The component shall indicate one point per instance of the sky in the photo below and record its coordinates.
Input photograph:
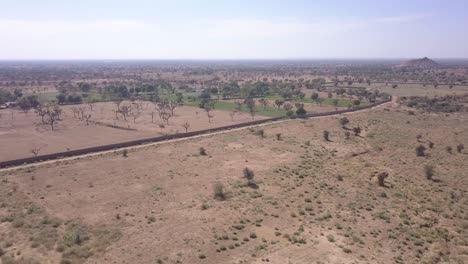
(232, 29)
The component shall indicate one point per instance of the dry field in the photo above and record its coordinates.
(312, 201)
(20, 133)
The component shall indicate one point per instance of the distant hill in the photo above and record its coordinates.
(424, 63)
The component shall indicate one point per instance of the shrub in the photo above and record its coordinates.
(218, 190)
(429, 171)
(420, 151)
(202, 151)
(460, 148)
(125, 153)
(326, 135)
(278, 136)
(249, 175)
(381, 178)
(431, 144)
(449, 149)
(301, 111)
(344, 121)
(261, 133)
(357, 131)
(347, 135)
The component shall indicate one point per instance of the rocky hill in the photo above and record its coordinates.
(424, 63)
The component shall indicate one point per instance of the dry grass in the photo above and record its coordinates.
(300, 211)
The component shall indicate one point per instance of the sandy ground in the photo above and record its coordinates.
(166, 213)
(19, 132)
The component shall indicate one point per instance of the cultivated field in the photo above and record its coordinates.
(310, 200)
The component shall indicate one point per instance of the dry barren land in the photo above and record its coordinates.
(310, 200)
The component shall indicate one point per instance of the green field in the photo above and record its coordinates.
(228, 106)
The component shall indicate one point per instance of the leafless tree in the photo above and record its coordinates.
(209, 114)
(165, 116)
(232, 114)
(87, 117)
(53, 116)
(35, 151)
(135, 111)
(171, 105)
(42, 111)
(186, 125)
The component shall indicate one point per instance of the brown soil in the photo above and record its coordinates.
(160, 198)
(20, 133)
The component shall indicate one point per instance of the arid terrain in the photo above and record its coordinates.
(22, 133)
(310, 200)
(380, 185)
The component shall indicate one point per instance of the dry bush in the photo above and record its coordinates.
(381, 178)
(420, 151)
(326, 135)
(429, 171)
(202, 151)
(218, 190)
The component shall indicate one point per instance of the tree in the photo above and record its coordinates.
(53, 116)
(209, 114)
(25, 105)
(186, 125)
(250, 103)
(18, 93)
(301, 111)
(35, 151)
(263, 102)
(171, 105)
(357, 102)
(279, 103)
(288, 107)
(314, 97)
(165, 116)
(232, 114)
(87, 117)
(344, 121)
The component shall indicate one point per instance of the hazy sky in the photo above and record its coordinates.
(232, 29)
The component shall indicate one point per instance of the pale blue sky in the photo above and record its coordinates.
(254, 29)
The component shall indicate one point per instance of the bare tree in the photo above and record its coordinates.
(53, 116)
(232, 114)
(42, 111)
(209, 114)
(135, 111)
(35, 151)
(117, 103)
(87, 117)
(165, 116)
(186, 125)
